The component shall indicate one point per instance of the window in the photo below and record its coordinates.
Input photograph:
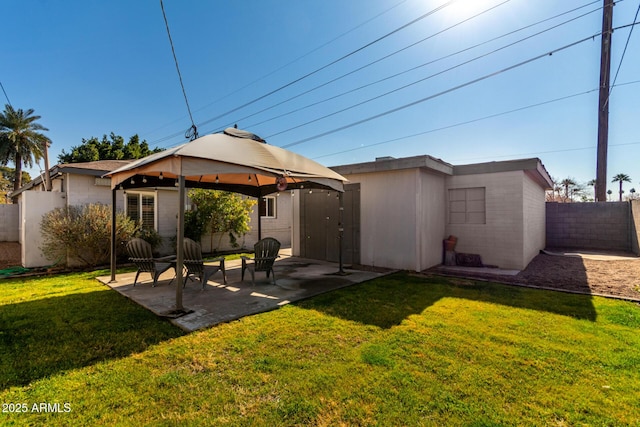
(467, 206)
(268, 207)
(142, 207)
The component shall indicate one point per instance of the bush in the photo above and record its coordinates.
(150, 236)
(218, 212)
(84, 233)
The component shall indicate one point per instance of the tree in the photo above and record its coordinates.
(566, 184)
(108, 148)
(218, 212)
(7, 179)
(20, 140)
(620, 178)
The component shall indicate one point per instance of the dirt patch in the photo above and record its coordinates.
(619, 278)
(10, 254)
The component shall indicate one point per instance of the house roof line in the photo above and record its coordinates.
(533, 167)
(389, 164)
(96, 168)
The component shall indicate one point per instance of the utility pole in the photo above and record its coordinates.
(603, 104)
(47, 178)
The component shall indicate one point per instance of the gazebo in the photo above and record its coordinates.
(234, 160)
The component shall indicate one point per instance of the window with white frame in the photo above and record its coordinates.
(268, 207)
(467, 206)
(141, 207)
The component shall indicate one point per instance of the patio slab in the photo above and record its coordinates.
(297, 279)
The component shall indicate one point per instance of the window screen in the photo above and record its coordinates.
(141, 208)
(467, 206)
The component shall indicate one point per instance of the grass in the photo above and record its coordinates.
(401, 350)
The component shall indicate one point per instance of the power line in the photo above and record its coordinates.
(193, 132)
(414, 68)
(622, 57)
(287, 64)
(417, 81)
(444, 92)
(491, 116)
(357, 70)
(561, 150)
(5, 94)
(402, 27)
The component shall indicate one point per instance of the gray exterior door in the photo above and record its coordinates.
(319, 218)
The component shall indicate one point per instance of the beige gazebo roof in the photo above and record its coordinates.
(233, 161)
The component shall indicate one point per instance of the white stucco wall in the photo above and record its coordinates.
(279, 227)
(534, 219)
(431, 212)
(33, 205)
(82, 190)
(500, 240)
(388, 235)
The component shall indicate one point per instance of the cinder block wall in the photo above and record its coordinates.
(601, 225)
(635, 227)
(9, 223)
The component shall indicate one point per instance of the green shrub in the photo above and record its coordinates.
(84, 233)
(150, 236)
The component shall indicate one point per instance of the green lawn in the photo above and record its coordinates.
(397, 351)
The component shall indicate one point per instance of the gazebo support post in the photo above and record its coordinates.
(113, 235)
(180, 244)
(259, 220)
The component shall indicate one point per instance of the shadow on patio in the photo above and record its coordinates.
(297, 279)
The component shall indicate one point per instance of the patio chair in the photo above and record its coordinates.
(195, 266)
(141, 254)
(266, 252)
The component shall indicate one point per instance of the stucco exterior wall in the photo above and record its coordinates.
(388, 220)
(432, 219)
(33, 205)
(500, 240)
(82, 190)
(534, 219)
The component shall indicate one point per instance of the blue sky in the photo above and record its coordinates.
(94, 67)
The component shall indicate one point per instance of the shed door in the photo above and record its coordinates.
(319, 217)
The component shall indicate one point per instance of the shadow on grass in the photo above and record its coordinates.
(387, 301)
(48, 336)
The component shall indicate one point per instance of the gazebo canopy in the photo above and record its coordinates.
(235, 160)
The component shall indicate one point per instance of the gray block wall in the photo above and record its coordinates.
(635, 227)
(9, 222)
(601, 225)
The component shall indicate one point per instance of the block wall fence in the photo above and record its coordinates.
(602, 225)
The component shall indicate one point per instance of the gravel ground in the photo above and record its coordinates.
(619, 278)
(9, 254)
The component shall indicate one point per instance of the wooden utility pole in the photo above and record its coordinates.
(603, 104)
(47, 178)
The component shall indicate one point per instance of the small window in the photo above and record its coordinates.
(141, 207)
(268, 207)
(467, 206)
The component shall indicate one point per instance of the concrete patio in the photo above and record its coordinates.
(297, 279)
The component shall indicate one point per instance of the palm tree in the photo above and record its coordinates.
(621, 177)
(20, 141)
(566, 183)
